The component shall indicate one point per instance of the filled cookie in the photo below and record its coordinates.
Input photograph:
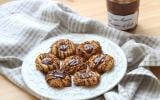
(73, 64)
(63, 48)
(88, 48)
(58, 79)
(101, 63)
(47, 62)
(86, 78)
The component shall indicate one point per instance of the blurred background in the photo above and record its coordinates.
(149, 16)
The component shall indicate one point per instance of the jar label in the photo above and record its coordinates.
(123, 22)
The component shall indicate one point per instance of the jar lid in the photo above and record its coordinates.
(123, 1)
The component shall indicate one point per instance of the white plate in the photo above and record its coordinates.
(36, 82)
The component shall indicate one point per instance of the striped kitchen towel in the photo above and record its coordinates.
(26, 23)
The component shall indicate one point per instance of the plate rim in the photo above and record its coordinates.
(60, 35)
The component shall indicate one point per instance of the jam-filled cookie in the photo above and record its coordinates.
(101, 63)
(63, 48)
(73, 64)
(86, 78)
(58, 79)
(46, 62)
(88, 48)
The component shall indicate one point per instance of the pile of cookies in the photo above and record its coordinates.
(80, 64)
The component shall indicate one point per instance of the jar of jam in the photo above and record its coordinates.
(123, 14)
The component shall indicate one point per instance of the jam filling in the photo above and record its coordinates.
(47, 61)
(63, 47)
(58, 74)
(73, 62)
(99, 60)
(88, 48)
(84, 75)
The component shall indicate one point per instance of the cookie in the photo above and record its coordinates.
(101, 63)
(88, 48)
(58, 79)
(86, 78)
(73, 64)
(63, 48)
(47, 62)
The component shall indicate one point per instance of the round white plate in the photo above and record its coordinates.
(36, 82)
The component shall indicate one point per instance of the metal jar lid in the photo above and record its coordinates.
(123, 1)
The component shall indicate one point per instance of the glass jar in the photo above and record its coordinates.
(123, 14)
